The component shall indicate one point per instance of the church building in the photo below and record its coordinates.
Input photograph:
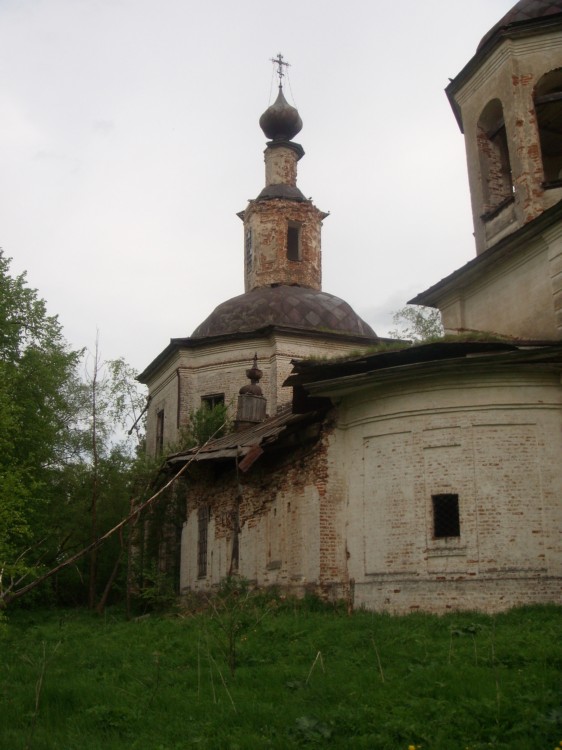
(283, 314)
(404, 478)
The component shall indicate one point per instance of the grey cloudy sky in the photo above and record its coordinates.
(129, 139)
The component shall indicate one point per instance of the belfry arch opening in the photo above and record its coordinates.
(548, 108)
(495, 166)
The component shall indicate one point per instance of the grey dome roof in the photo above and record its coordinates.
(284, 306)
(522, 12)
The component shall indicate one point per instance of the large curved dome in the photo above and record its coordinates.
(285, 306)
(523, 11)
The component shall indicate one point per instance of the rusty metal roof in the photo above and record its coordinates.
(284, 306)
(423, 361)
(288, 192)
(320, 377)
(249, 443)
(525, 18)
(523, 12)
(308, 371)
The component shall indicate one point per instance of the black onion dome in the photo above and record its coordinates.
(284, 306)
(525, 11)
(281, 121)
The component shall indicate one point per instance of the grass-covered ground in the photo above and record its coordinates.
(302, 676)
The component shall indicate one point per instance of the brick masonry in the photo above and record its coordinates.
(353, 514)
(509, 75)
(177, 389)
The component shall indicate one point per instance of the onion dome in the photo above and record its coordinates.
(281, 121)
(286, 307)
(522, 13)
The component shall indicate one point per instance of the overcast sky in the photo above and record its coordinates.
(129, 140)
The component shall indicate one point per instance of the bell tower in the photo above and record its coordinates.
(282, 228)
(508, 103)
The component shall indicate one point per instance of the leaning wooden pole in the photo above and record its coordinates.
(10, 595)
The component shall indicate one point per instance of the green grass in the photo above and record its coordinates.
(304, 677)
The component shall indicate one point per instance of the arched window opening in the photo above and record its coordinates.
(548, 107)
(495, 167)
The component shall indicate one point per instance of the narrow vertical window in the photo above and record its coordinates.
(159, 431)
(293, 242)
(202, 539)
(446, 520)
(248, 249)
(548, 108)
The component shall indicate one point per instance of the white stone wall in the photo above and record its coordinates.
(519, 297)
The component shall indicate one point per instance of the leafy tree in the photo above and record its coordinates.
(113, 403)
(37, 409)
(100, 483)
(417, 323)
(66, 461)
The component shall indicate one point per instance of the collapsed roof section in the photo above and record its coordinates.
(302, 422)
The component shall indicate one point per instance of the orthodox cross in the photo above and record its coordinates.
(280, 62)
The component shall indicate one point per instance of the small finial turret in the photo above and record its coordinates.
(254, 375)
(251, 401)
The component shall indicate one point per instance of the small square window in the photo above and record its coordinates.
(446, 520)
(212, 400)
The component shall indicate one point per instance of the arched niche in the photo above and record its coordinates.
(548, 108)
(495, 166)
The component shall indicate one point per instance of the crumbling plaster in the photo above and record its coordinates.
(352, 516)
(510, 74)
(268, 221)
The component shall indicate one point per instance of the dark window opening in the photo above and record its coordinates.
(248, 249)
(203, 515)
(159, 431)
(293, 242)
(548, 108)
(495, 166)
(212, 400)
(446, 520)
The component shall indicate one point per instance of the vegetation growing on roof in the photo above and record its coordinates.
(205, 423)
(381, 347)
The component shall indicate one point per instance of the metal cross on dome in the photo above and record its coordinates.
(280, 63)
